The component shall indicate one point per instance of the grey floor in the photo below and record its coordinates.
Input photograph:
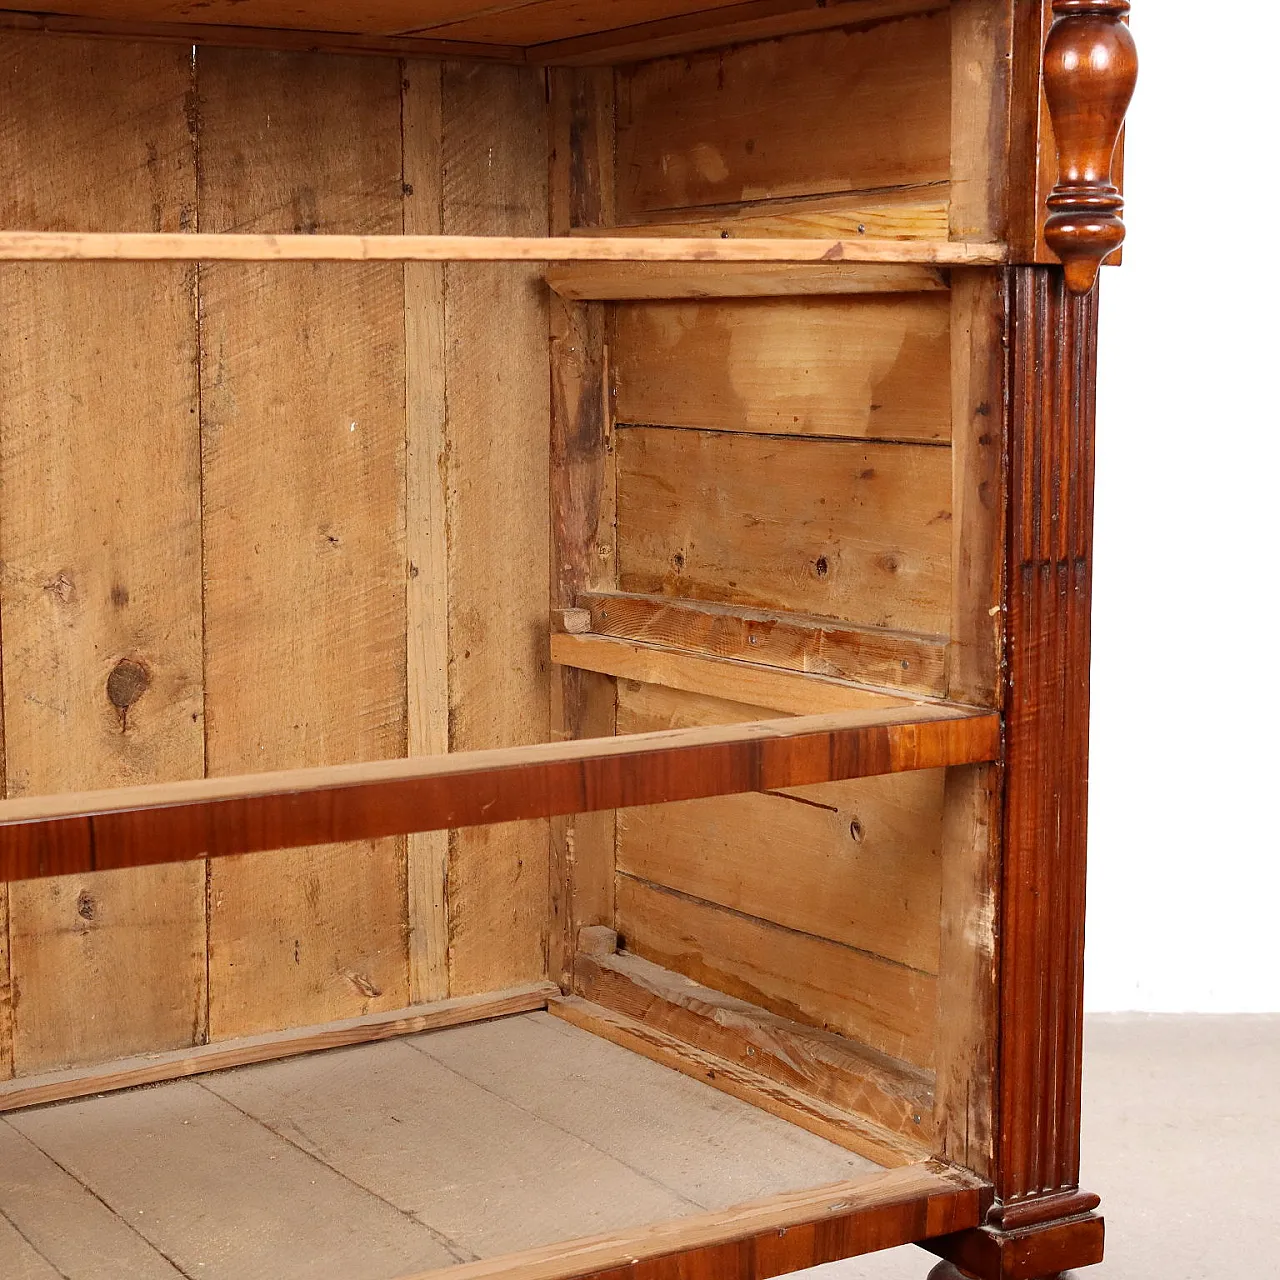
(1181, 1140)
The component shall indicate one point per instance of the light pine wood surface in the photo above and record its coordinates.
(387, 1159)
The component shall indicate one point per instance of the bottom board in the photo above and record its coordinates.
(380, 1161)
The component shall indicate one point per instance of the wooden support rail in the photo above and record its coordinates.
(771, 1237)
(172, 822)
(641, 281)
(60, 246)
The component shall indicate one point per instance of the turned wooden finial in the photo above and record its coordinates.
(1090, 72)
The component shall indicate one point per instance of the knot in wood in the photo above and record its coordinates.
(128, 681)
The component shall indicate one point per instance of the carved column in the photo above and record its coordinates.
(1042, 1223)
(1090, 71)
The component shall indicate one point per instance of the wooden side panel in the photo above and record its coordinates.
(859, 532)
(833, 111)
(495, 182)
(793, 974)
(872, 367)
(303, 396)
(854, 862)
(100, 535)
(857, 863)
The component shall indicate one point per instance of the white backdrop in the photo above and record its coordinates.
(1185, 827)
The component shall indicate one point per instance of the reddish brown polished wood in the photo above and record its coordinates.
(174, 822)
(1038, 1253)
(1041, 1223)
(780, 1252)
(1090, 71)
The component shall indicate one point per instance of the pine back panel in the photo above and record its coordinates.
(238, 504)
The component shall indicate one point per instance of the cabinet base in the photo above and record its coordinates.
(1033, 1253)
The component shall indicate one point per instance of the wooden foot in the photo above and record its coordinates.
(1043, 1251)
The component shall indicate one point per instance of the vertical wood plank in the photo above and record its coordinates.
(964, 1094)
(426, 528)
(100, 535)
(982, 42)
(977, 526)
(583, 492)
(495, 182)
(304, 385)
(6, 990)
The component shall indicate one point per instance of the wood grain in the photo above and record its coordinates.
(768, 1237)
(303, 397)
(979, 413)
(583, 493)
(832, 111)
(1090, 73)
(883, 1005)
(71, 246)
(542, 21)
(842, 1128)
(101, 536)
(916, 213)
(896, 660)
(982, 69)
(736, 682)
(154, 1068)
(742, 23)
(968, 971)
(227, 35)
(857, 863)
(871, 367)
(78, 1234)
(1047, 714)
(857, 532)
(639, 281)
(426, 519)
(6, 990)
(228, 816)
(495, 180)
(816, 1063)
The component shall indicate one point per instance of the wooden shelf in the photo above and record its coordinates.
(173, 822)
(58, 246)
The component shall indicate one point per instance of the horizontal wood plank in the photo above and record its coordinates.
(68, 246)
(224, 816)
(796, 693)
(862, 368)
(897, 660)
(854, 862)
(816, 1063)
(860, 996)
(850, 110)
(907, 213)
(153, 1068)
(768, 1237)
(716, 28)
(630, 281)
(859, 531)
(153, 28)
